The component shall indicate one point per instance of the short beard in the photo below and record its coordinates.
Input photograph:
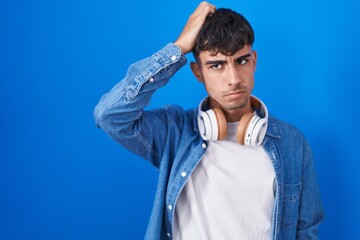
(237, 106)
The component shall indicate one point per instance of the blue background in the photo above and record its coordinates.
(62, 178)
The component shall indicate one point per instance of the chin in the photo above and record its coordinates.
(235, 105)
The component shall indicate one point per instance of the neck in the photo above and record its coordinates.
(233, 115)
(236, 114)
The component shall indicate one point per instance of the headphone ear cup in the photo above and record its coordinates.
(258, 134)
(221, 123)
(205, 126)
(243, 124)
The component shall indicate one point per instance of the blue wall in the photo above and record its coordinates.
(62, 178)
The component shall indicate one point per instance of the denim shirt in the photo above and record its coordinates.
(169, 138)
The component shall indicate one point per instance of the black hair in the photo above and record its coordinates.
(225, 31)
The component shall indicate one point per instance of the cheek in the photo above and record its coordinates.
(252, 83)
(212, 88)
(209, 87)
(213, 81)
(249, 76)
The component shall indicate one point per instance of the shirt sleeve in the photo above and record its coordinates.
(120, 112)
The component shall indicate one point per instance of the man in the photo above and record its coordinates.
(227, 170)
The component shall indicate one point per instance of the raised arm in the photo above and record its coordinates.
(120, 112)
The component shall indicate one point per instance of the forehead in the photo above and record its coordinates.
(208, 54)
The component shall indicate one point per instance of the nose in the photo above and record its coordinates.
(234, 76)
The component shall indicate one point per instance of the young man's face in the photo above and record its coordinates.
(228, 80)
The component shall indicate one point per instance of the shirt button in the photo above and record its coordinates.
(203, 145)
(168, 234)
(183, 174)
(173, 58)
(151, 79)
(170, 207)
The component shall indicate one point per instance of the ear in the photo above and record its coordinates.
(254, 58)
(196, 71)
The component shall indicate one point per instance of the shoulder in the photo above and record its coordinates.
(172, 111)
(290, 139)
(284, 130)
(177, 115)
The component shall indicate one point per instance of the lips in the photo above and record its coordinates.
(234, 93)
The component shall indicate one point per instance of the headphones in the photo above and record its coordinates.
(251, 129)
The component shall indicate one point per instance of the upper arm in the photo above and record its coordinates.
(152, 133)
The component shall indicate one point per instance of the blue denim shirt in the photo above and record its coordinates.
(169, 138)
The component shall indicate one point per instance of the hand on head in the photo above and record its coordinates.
(187, 39)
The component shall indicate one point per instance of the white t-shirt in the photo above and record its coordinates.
(229, 195)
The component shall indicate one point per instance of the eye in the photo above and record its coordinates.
(216, 66)
(242, 61)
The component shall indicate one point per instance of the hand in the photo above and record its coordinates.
(187, 39)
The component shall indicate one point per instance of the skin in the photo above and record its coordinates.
(228, 80)
(187, 39)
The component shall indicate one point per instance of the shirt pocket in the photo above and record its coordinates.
(291, 204)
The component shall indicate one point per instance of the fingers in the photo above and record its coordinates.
(205, 5)
(204, 8)
(187, 38)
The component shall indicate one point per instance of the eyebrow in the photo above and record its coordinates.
(211, 62)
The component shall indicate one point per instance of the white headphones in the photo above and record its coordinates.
(251, 129)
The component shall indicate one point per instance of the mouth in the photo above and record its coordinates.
(235, 93)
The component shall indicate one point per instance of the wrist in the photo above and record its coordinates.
(182, 49)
